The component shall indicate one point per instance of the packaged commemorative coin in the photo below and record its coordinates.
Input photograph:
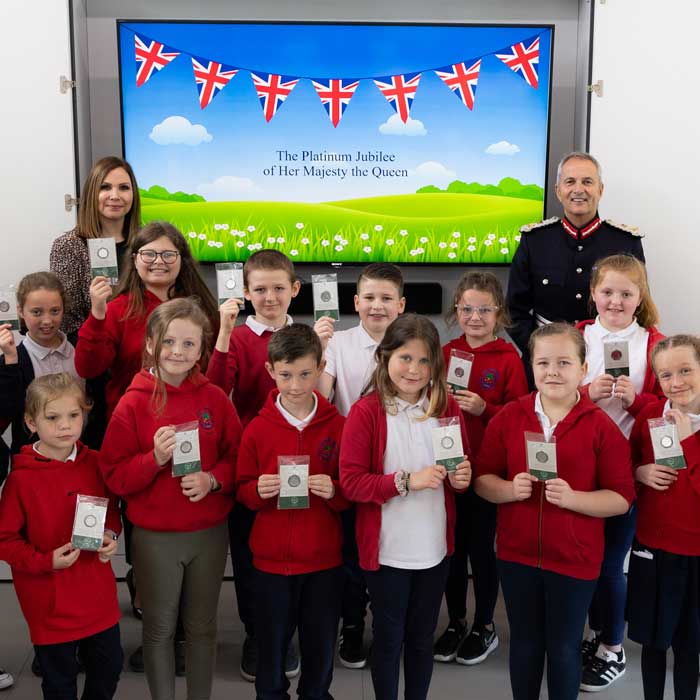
(229, 281)
(89, 522)
(447, 443)
(186, 455)
(541, 456)
(103, 259)
(667, 446)
(459, 369)
(325, 292)
(616, 356)
(294, 481)
(8, 306)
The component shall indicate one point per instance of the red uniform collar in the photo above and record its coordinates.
(584, 231)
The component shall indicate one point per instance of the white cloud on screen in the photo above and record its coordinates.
(393, 126)
(433, 172)
(228, 188)
(179, 130)
(502, 148)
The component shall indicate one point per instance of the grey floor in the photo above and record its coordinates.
(484, 682)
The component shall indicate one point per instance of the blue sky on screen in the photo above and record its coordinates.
(239, 144)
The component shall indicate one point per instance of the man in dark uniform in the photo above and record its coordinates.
(549, 279)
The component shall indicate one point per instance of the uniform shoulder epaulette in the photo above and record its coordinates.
(624, 227)
(539, 224)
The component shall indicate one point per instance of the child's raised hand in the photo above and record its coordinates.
(429, 478)
(462, 476)
(469, 401)
(65, 556)
(321, 485)
(196, 486)
(656, 476)
(108, 548)
(7, 344)
(522, 486)
(100, 292)
(269, 485)
(228, 313)
(324, 329)
(682, 421)
(558, 493)
(624, 390)
(164, 444)
(601, 387)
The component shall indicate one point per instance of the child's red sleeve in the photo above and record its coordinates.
(691, 452)
(338, 502)
(493, 455)
(248, 470)
(614, 463)
(225, 469)
(97, 345)
(222, 369)
(515, 386)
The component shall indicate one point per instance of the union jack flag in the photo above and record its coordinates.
(335, 95)
(399, 90)
(272, 90)
(461, 80)
(211, 77)
(523, 60)
(151, 56)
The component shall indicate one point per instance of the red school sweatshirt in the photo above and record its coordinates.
(497, 376)
(37, 509)
(114, 344)
(290, 542)
(668, 519)
(363, 479)
(592, 454)
(651, 391)
(154, 497)
(242, 371)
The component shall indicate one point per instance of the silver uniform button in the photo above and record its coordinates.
(578, 296)
(545, 281)
(580, 248)
(579, 270)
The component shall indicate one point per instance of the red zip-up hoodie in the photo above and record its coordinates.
(497, 376)
(114, 344)
(364, 481)
(651, 390)
(37, 509)
(154, 497)
(592, 454)
(668, 519)
(290, 542)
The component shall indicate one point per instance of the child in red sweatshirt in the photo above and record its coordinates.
(180, 534)
(68, 596)
(496, 377)
(664, 571)
(297, 535)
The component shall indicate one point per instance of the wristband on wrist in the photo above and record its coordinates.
(401, 482)
(214, 485)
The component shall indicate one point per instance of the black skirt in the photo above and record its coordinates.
(663, 591)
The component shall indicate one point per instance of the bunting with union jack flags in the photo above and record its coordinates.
(272, 90)
(523, 60)
(461, 80)
(151, 56)
(211, 78)
(399, 91)
(335, 94)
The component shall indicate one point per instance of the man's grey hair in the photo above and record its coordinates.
(582, 156)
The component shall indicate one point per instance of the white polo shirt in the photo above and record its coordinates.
(350, 359)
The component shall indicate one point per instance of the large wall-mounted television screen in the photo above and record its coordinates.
(339, 143)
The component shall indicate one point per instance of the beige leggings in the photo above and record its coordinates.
(171, 565)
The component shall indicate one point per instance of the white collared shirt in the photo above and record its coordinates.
(413, 529)
(350, 359)
(547, 427)
(70, 458)
(694, 417)
(52, 360)
(259, 328)
(295, 422)
(637, 338)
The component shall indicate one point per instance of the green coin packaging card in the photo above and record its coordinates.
(229, 281)
(459, 369)
(616, 354)
(294, 481)
(325, 293)
(103, 259)
(541, 456)
(186, 454)
(447, 443)
(89, 522)
(8, 306)
(667, 446)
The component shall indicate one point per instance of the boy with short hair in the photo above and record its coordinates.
(297, 551)
(349, 365)
(237, 366)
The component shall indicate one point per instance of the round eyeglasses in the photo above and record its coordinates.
(150, 256)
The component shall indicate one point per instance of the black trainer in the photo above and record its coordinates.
(351, 650)
(446, 647)
(292, 663)
(477, 645)
(605, 668)
(249, 659)
(589, 647)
